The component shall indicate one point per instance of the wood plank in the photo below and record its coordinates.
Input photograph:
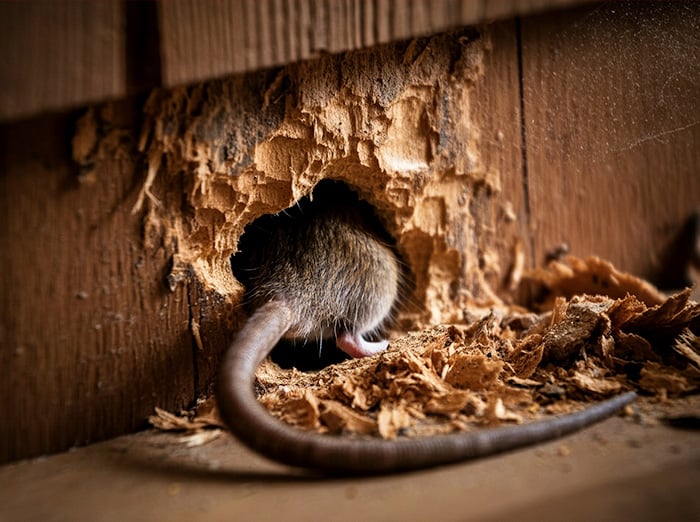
(58, 54)
(646, 472)
(95, 340)
(61, 54)
(91, 338)
(612, 122)
(203, 39)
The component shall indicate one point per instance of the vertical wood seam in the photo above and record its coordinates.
(143, 60)
(191, 287)
(523, 143)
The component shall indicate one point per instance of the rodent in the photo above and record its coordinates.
(326, 271)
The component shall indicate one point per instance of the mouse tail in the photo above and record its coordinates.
(238, 406)
(253, 425)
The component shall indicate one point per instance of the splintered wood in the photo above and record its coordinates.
(508, 366)
(399, 124)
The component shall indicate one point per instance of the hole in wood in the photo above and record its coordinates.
(280, 240)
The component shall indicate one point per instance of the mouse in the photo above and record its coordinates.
(326, 270)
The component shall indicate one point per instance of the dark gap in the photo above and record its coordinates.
(683, 422)
(523, 137)
(143, 63)
(680, 256)
(375, 25)
(307, 357)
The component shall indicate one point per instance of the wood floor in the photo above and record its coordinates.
(617, 470)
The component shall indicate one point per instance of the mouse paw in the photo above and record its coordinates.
(355, 346)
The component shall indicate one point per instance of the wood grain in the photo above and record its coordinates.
(61, 54)
(612, 124)
(202, 39)
(58, 54)
(91, 339)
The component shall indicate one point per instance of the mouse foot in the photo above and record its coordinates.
(355, 346)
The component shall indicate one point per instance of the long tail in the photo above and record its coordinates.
(254, 426)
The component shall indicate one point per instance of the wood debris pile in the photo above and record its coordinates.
(508, 366)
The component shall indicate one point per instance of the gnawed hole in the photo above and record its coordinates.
(314, 353)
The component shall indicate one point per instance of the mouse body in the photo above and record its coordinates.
(324, 270)
(327, 264)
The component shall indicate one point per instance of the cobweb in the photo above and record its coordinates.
(633, 75)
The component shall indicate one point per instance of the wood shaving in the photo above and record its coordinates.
(592, 276)
(337, 418)
(168, 422)
(661, 380)
(589, 376)
(688, 345)
(296, 406)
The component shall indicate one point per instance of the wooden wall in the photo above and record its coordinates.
(60, 54)
(91, 338)
(593, 120)
(611, 112)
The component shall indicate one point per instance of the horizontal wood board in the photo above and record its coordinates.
(201, 40)
(61, 54)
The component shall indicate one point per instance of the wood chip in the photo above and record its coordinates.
(591, 276)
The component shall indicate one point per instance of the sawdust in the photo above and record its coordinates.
(507, 367)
